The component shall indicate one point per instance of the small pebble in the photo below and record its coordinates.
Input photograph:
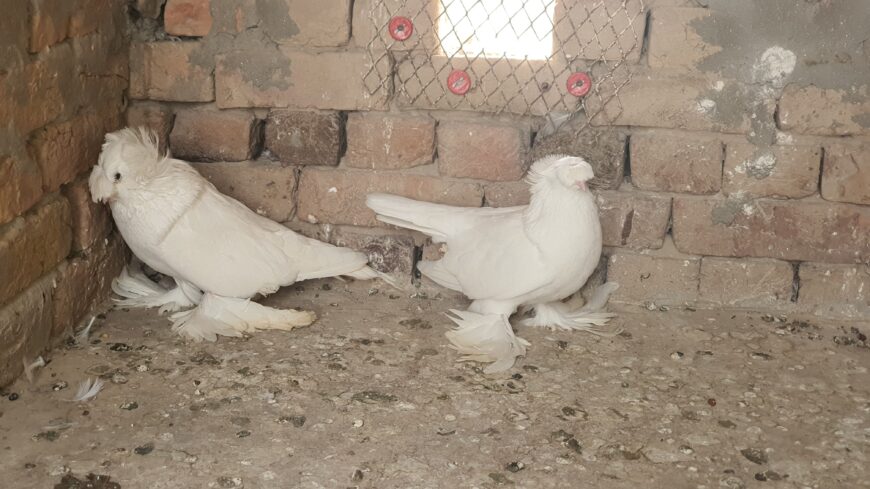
(358, 423)
(60, 385)
(243, 434)
(13, 396)
(357, 475)
(129, 406)
(515, 467)
(144, 449)
(450, 417)
(677, 355)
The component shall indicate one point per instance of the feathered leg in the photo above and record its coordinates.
(138, 290)
(588, 318)
(486, 338)
(229, 316)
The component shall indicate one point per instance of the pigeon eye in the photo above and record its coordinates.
(117, 177)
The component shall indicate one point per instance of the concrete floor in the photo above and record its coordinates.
(371, 396)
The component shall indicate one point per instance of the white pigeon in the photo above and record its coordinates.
(506, 258)
(219, 252)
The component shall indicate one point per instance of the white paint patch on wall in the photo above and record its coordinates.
(774, 66)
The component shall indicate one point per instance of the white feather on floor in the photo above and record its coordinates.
(88, 389)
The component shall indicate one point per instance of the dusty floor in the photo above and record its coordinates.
(370, 396)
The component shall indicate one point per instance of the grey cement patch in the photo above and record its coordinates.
(862, 120)
(371, 396)
(825, 37)
(259, 58)
(275, 19)
(728, 210)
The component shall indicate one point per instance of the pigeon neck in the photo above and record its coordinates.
(554, 207)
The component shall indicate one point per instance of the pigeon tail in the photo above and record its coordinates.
(486, 338)
(230, 316)
(589, 318)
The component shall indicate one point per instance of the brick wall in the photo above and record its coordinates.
(63, 72)
(736, 172)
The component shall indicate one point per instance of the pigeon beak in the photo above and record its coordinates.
(581, 184)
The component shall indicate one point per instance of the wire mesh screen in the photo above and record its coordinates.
(529, 57)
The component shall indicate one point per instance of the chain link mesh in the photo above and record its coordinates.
(519, 54)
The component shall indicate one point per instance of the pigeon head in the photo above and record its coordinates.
(571, 171)
(128, 159)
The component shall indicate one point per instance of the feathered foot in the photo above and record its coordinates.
(229, 316)
(138, 290)
(588, 318)
(486, 338)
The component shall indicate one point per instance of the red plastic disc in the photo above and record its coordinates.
(401, 28)
(459, 82)
(579, 84)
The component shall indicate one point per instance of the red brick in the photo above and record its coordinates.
(746, 282)
(651, 278)
(90, 15)
(157, 117)
(381, 141)
(492, 152)
(21, 188)
(65, 149)
(778, 171)
(846, 174)
(633, 219)
(604, 149)
(90, 222)
(49, 22)
(825, 111)
(338, 196)
(188, 17)
(267, 188)
(507, 194)
(304, 138)
(302, 22)
(14, 34)
(673, 41)
(215, 135)
(25, 327)
(823, 283)
(787, 230)
(85, 282)
(676, 163)
(332, 80)
(170, 71)
(681, 102)
(32, 245)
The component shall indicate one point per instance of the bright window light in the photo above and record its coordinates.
(497, 28)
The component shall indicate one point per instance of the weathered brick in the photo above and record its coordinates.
(25, 327)
(91, 222)
(170, 71)
(632, 219)
(84, 282)
(370, 17)
(823, 283)
(35, 94)
(652, 278)
(306, 23)
(290, 78)
(90, 15)
(673, 41)
(682, 102)
(604, 149)
(65, 149)
(676, 163)
(49, 22)
(825, 111)
(846, 174)
(304, 138)
(32, 245)
(507, 194)
(381, 141)
(14, 34)
(267, 188)
(188, 17)
(777, 171)
(338, 196)
(215, 135)
(746, 282)
(155, 116)
(495, 152)
(788, 230)
(21, 188)
(608, 29)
